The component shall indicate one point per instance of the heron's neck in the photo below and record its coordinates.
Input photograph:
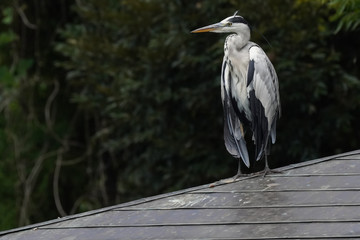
(237, 41)
(242, 38)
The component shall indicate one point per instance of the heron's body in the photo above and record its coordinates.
(236, 55)
(236, 105)
(249, 91)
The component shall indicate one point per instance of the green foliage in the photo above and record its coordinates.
(133, 74)
(116, 100)
(312, 80)
(347, 13)
(26, 139)
(7, 80)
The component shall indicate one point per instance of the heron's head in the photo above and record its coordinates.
(232, 24)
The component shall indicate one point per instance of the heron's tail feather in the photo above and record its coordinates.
(264, 147)
(234, 138)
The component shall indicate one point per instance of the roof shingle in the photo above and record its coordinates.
(318, 199)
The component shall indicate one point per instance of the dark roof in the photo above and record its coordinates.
(318, 199)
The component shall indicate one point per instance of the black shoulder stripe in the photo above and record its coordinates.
(223, 71)
(251, 71)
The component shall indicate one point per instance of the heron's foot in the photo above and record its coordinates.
(239, 175)
(228, 180)
(267, 171)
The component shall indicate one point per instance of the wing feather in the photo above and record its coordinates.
(233, 129)
(263, 93)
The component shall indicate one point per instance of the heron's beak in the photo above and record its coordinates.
(210, 28)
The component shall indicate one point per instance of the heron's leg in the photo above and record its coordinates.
(239, 167)
(267, 169)
(239, 174)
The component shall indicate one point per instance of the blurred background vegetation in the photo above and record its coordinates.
(105, 101)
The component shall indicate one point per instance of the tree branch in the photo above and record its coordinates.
(23, 17)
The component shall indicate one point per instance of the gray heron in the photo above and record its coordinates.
(249, 91)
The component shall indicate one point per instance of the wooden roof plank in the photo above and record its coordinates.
(192, 200)
(214, 217)
(284, 183)
(243, 231)
(319, 199)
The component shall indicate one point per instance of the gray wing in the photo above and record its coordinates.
(233, 129)
(263, 93)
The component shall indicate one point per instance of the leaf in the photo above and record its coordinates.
(23, 66)
(7, 37)
(7, 13)
(6, 77)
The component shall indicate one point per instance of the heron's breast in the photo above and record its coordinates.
(239, 61)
